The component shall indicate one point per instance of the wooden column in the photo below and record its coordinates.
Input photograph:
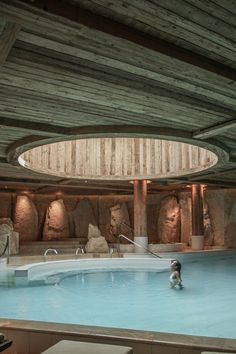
(197, 217)
(140, 215)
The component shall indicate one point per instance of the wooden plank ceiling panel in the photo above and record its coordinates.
(148, 64)
(101, 83)
(197, 25)
(77, 89)
(74, 39)
(164, 64)
(115, 76)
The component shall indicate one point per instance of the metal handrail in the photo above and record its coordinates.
(3, 252)
(79, 249)
(6, 248)
(50, 250)
(111, 251)
(137, 244)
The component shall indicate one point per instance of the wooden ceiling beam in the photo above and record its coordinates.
(213, 174)
(128, 130)
(7, 39)
(100, 23)
(214, 129)
(95, 130)
(40, 185)
(44, 129)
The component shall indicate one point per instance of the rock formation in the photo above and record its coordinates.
(230, 227)
(6, 205)
(7, 233)
(93, 231)
(120, 221)
(83, 215)
(26, 219)
(96, 242)
(208, 230)
(169, 220)
(56, 225)
(7, 221)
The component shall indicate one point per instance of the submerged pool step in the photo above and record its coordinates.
(62, 246)
(7, 278)
(25, 259)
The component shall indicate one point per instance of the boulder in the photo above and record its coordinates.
(93, 231)
(5, 232)
(7, 221)
(56, 224)
(169, 220)
(26, 219)
(83, 216)
(120, 220)
(97, 245)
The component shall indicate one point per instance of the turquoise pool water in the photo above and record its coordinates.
(135, 300)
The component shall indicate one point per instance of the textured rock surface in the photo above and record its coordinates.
(42, 203)
(70, 205)
(185, 217)
(5, 231)
(6, 203)
(83, 215)
(208, 230)
(7, 221)
(56, 224)
(104, 220)
(216, 211)
(93, 231)
(230, 218)
(14, 243)
(120, 222)
(169, 220)
(26, 219)
(97, 245)
(221, 211)
(152, 207)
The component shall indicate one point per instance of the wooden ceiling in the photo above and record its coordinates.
(97, 67)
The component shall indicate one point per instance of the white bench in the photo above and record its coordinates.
(73, 347)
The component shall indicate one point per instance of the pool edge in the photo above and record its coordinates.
(53, 332)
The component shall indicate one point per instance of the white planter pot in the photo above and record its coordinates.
(197, 242)
(142, 241)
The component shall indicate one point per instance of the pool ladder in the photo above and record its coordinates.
(79, 250)
(50, 250)
(111, 251)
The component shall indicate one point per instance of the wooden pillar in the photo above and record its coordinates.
(197, 217)
(140, 215)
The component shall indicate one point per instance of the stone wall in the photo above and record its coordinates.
(46, 217)
(216, 210)
(230, 219)
(26, 218)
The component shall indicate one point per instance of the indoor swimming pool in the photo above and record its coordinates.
(135, 299)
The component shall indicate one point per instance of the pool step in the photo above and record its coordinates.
(39, 247)
(25, 259)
